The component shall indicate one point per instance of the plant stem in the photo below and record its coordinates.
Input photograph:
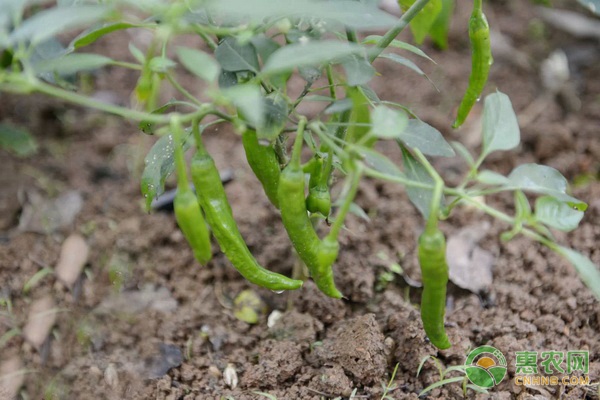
(436, 196)
(350, 195)
(399, 27)
(21, 85)
(297, 150)
(331, 81)
(181, 89)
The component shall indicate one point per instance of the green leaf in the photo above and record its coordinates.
(358, 70)
(137, 53)
(161, 64)
(337, 106)
(159, 165)
(557, 214)
(249, 307)
(373, 39)
(415, 171)
(199, 63)
(545, 180)
(276, 113)
(586, 269)
(440, 28)
(422, 136)
(235, 57)
(148, 127)
(91, 35)
(264, 46)
(522, 206)
(500, 125)
(309, 54)
(464, 153)
(72, 63)
(403, 61)
(360, 119)
(592, 5)
(335, 14)
(378, 161)
(17, 140)
(441, 383)
(388, 123)
(249, 101)
(53, 21)
(423, 21)
(492, 178)
(227, 79)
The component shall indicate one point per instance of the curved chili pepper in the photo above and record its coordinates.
(481, 61)
(432, 258)
(297, 223)
(213, 200)
(264, 164)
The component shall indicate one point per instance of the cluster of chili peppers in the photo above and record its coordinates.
(285, 188)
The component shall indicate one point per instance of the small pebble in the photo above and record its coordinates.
(111, 377)
(230, 376)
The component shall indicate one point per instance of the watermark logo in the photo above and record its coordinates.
(552, 368)
(486, 366)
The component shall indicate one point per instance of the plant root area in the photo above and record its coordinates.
(132, 315)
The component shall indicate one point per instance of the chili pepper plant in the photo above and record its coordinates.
(250, 51)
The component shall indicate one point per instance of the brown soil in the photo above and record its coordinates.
(169, 331)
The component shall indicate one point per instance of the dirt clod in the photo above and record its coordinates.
(277, 362)
(357, 345)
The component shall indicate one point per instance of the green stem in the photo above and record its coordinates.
(326, 172)
(210, 42)
(181, 89)
(125, 64)
(399, 27)
(331, 81)
(438, 190)
(477, 5)
(351, 35)
(198, 135)
(350, 195)
(21, 85)
(297, 150)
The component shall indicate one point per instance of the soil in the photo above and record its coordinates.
(165, 329)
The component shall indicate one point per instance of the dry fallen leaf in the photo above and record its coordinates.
(73, 256)
(470, 266)
(42, 316)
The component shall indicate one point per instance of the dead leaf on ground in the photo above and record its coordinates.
(470, 266)
(73, 257)
(42, 316)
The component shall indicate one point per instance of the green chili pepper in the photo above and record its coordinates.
(213, 201)
(264, 164)
(432, 258)
(326, 256)
(481, 60)
(319, 199)
(296, 221)
(192, 224)
(187, 210)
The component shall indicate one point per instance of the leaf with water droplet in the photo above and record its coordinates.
(159, 164)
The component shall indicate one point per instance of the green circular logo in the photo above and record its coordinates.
(486, 366)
